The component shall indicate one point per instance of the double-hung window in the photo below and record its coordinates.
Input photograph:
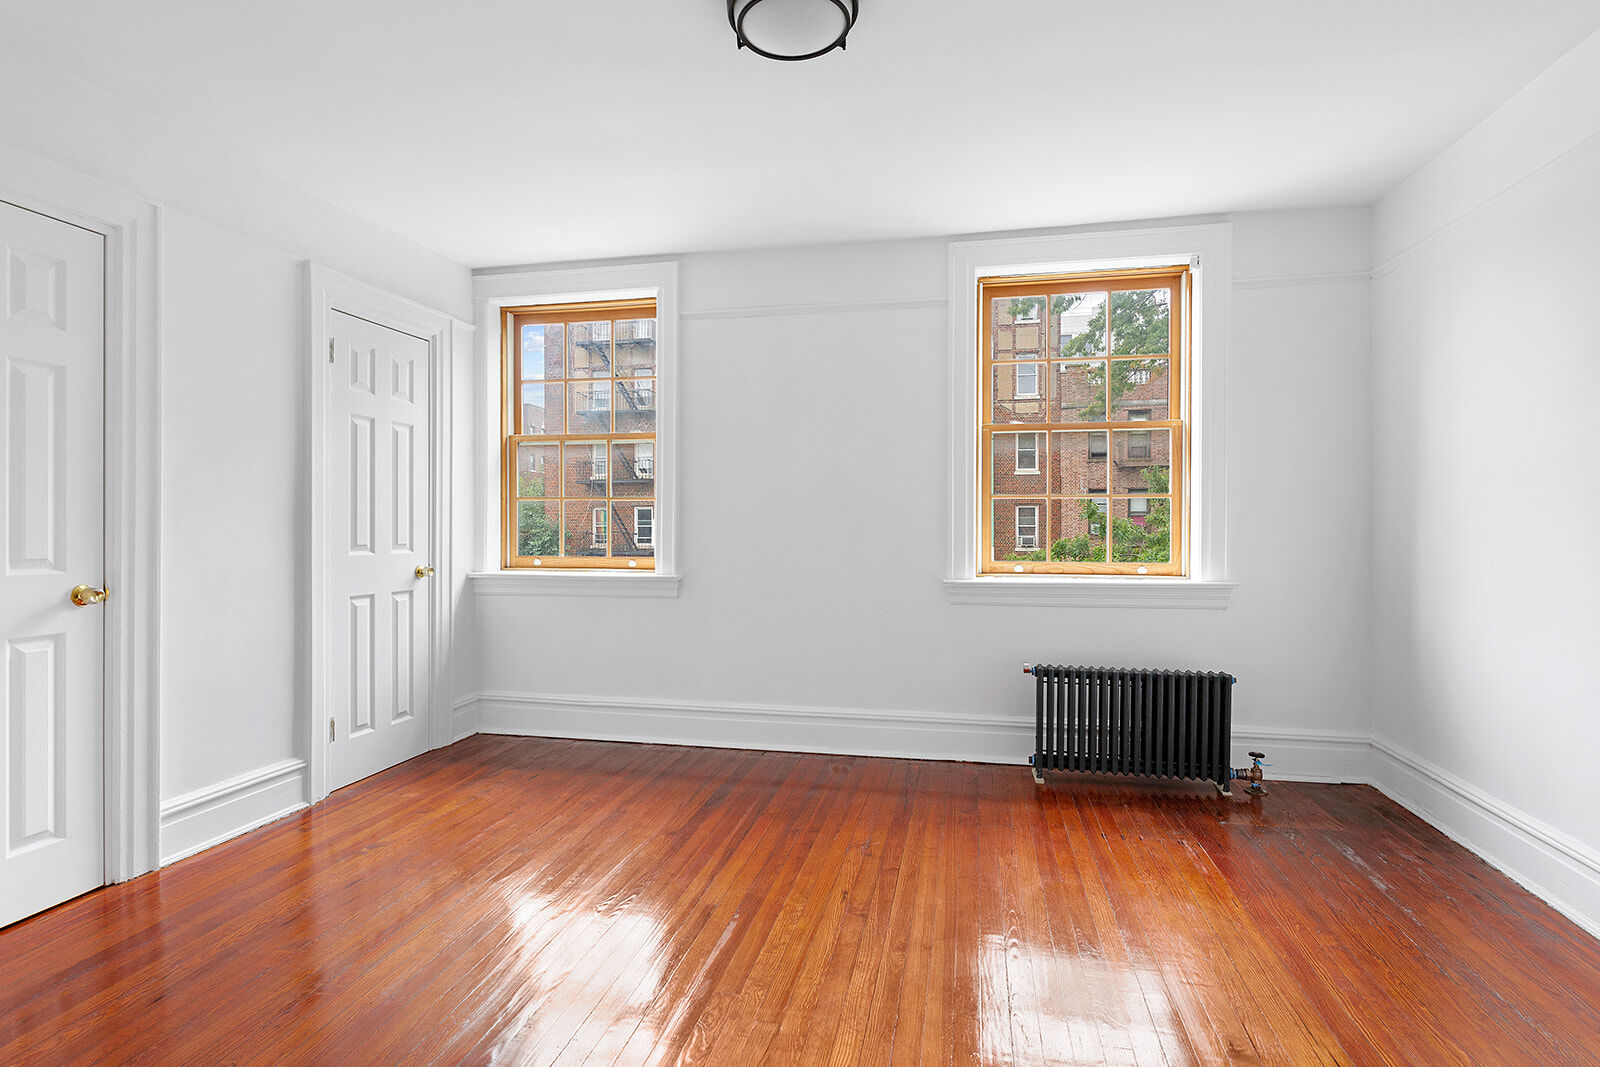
(579, 461)
(1110, 350)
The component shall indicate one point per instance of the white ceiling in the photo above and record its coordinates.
(502, 132)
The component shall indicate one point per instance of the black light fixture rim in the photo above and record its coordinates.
(850, 14)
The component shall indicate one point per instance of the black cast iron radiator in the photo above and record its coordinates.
(1171, 724)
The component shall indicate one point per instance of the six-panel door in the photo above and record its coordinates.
(52, 538)
(379, 493)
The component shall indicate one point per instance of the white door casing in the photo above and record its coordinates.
(380, 586)
(52, 526)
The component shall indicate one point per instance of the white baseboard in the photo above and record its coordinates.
(1296, 755)
(464, 718)
(1553, 866)
(195, 821)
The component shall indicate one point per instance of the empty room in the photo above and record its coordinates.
(831, 532)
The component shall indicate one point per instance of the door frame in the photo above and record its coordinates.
(131, 228)
(329, 291)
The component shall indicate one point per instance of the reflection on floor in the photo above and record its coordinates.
(537, 901)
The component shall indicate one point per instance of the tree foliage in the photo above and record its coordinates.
(536, 534)
(1131, 542)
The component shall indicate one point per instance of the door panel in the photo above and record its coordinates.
(52, 667)
(379, 499)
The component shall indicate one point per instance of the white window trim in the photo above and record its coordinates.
(641, 542)
(1032, 394)
(1209, 248)
(1017, 522)
(492, 293)
(1020, 469)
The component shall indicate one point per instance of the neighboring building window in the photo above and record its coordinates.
(580, 426)
(1027, 528)
(1110, 498)
(1027, 381)
(644, 526)
(1027, 453)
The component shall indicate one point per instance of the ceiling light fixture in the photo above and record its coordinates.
(792, 30)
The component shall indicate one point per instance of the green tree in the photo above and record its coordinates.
(1131, 542)
(1140, 323)
(536, 534)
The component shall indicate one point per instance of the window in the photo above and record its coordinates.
(1027, 528)
(1027, 381)
(1111, 497)
(580, 428)
(1027, 453)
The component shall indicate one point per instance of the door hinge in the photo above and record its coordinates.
(331, 735)
(331, 343)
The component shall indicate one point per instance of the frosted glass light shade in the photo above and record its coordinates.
(792, 29)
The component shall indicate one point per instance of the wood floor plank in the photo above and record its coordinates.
(567, 902)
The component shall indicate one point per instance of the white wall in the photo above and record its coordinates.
(1486, 364)
(234, 429)
(813, 525)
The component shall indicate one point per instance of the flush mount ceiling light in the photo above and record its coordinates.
(791, 29)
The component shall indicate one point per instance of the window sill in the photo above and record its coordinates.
(648, 585)
(1091, 592)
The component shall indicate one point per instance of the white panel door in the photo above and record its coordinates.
(380, 606)
(52, 526)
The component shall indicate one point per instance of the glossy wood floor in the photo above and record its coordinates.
(544, 902)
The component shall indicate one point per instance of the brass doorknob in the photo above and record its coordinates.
(84, 595)
(424, 571)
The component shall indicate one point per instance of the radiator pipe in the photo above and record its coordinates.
(1027, 668)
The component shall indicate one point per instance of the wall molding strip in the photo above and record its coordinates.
(211, 815)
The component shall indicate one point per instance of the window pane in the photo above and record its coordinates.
(1141, 530)
(587, 526)
(636, 405)
(1078, 325)
(1140, 322)
(633, 528)
(541, 351)
(1018, 328)
(633, 468)
(1139, 390)
(1141, 461)
(1078, 392)
(591, 407)
(1017, 393)
(1078, 529)
(543, 409)
(589, 350)
(539, 528)
(1017, 464)
(635, 347)
(536, 470)
(1078, 462)
(1018, 529)
(584, 469)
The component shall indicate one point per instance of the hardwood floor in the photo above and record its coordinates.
(534, 901)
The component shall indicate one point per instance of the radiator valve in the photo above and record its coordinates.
(1253, 775)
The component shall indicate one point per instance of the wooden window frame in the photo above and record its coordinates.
(512, 319)
(1178, 280)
